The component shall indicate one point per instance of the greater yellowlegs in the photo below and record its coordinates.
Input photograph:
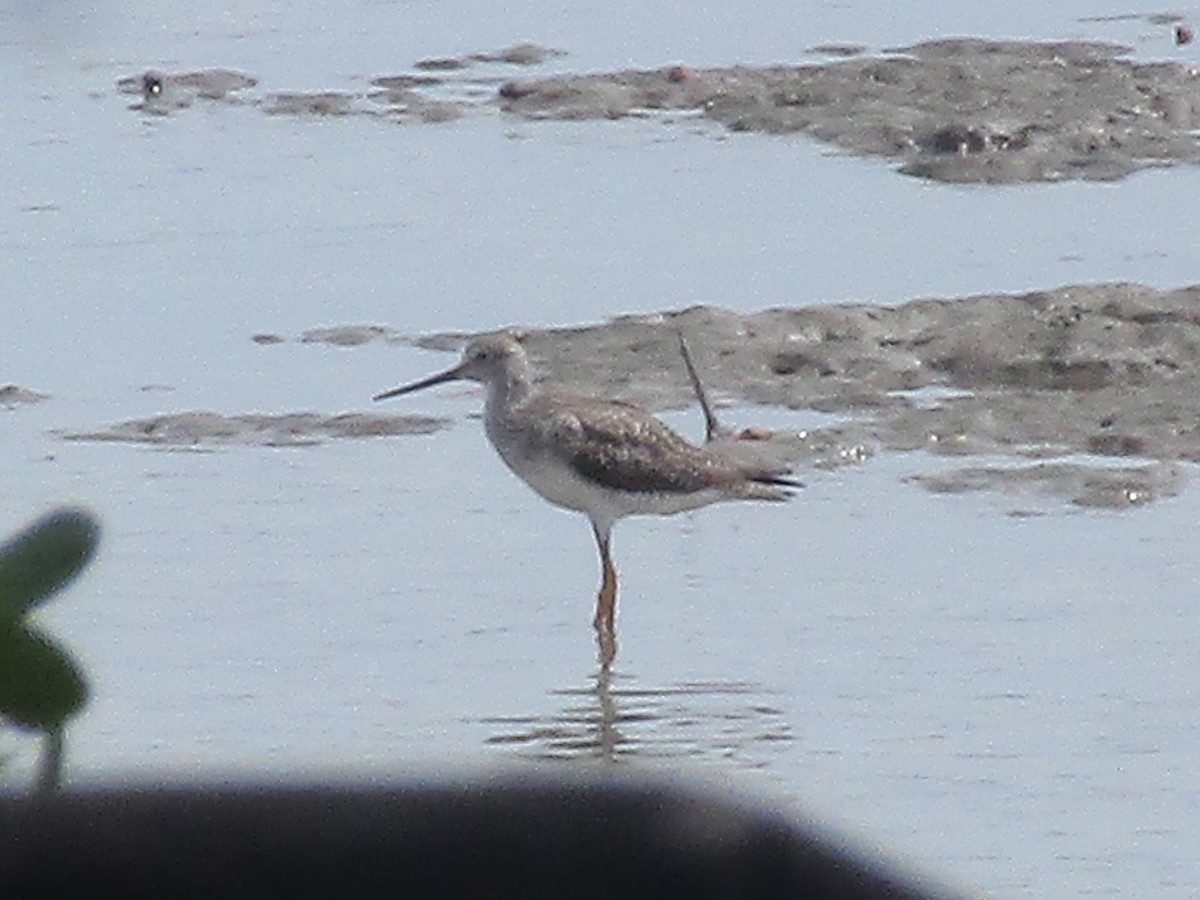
(605, 458)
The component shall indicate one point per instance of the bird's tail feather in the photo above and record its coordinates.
(771, 486)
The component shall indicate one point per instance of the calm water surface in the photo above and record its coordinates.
(1006, 700)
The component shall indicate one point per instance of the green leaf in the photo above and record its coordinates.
(43, 558)
(40, 684)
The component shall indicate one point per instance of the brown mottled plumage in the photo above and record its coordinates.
(605, 458)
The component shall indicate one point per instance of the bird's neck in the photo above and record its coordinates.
(512, 387)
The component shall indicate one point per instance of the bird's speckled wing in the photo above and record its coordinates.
(620, 446)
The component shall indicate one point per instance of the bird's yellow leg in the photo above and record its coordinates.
(606, 600)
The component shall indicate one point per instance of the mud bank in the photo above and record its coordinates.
(964, 110)
(1104, 379)
(954, 110)
(1086, 393)
(13, 395)
(200, 429)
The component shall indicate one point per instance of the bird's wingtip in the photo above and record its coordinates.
(779, 480)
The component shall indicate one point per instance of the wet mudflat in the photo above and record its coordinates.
(1101, 372)
(954, 110)
(962, 110)
(968, 642)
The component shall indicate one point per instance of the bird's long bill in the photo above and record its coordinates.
(448, 375)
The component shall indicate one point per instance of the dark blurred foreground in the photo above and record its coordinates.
(476, 840)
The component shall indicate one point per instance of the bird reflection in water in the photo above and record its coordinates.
(611, 720)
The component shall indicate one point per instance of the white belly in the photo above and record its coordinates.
(563, 486)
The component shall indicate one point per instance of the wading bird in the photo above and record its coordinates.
(605, 458)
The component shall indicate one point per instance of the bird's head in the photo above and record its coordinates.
(488, 358)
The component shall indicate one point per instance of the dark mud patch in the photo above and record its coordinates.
(526, 53)
(337, 336)
(842, 51)
(207, 429)
(351, 335)
(165, 92)
(405, 82)
(1107, 371)
(317, 103)
(964, 110)
(13, 395)
(1078, 484)
(440, 89)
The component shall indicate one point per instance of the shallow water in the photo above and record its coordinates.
(1004, 699)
